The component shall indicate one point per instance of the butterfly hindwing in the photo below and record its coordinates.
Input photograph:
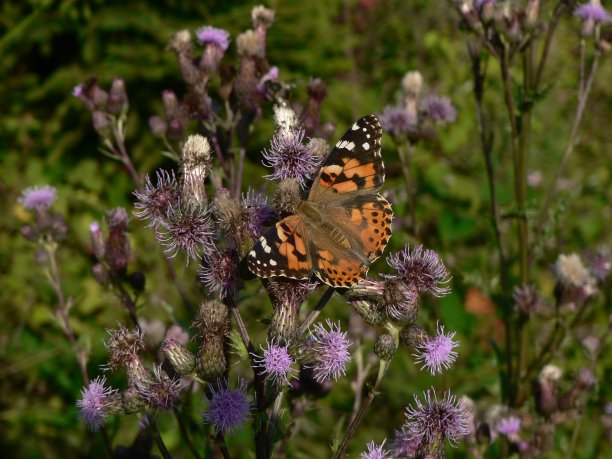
(354, 164)
(334, 266)
(282, 251)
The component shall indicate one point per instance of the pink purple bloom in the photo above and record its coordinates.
(439, 109)
(599, 263)
(526, 299)
(330, 351)
(213, 36)
(153, 203)
(422, 268)
(375, 451)
(593, 11)
(276, 363)
(397, 120)
(509, 426)
(257, 212)
(227, 409)
(437, 353)
(404, 444)
(290, 157)
(270, 75)
(217, 272)
(186, 228)
(93, 405)
(38, 197)
(480, 3)
(433, 421)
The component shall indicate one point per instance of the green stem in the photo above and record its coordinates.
(312, 315)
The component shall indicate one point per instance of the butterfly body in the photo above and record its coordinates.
(343, 224)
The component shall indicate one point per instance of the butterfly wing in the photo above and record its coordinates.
(282, 251)
(354, 165)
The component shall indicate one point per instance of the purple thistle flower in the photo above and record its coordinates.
(509, 426)
(439, 109)
(404, 445)
(599, 263)
(78, 91)
(217, 272)
(375, 451)
(593, 11)
(270, 75)
(276, 363)
(227, 409)
(433, 421)
(213, 36)
(290, 157)
(154, 202)
(437, 353)
(93, 405)
(480, 3)
(397, 120)
(163, 392)
(330, 350)
(257, 212)
(38, 197)
(526, 299)
(186, 228)
(421, 268)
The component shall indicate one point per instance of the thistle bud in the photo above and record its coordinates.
(179, 357)
(412, 83)
(97, 240)
(131, 402)
(101, 123)
(157, 126)
(212, 319)
(196, 162)
(171, 104)
(211, 362)
(385, 347)
(117, 249)
(180, 42)
(413, 336)
(138, 376)
(101, 274)
(118, 99)
(287, 197)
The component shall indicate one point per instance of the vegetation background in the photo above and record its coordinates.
(361, 49)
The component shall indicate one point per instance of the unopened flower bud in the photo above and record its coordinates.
(262, 17)
(385, 347)
(138, 376)
(131, 401)
(413, 336)
(287, 197)
(171, 104)
(179, 356)
(157, 126)
(97, 240)
(212, 319)
(401, 300)
(211, 361)
(195, 164)
(101, 123)
(117, 99)
(412, 83)
(100, 274)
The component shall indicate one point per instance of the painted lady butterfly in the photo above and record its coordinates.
(343, 224)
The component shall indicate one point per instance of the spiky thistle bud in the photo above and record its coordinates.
(287, 197)
(217, 272)
(413, 336)
(117, 98)
(179, 357)
(161, 392)
(249, 44)
(123, 346)
(98, 242)
(117, 250)
(385, 347)
(195, 164)
(212, 327)
(287, 297)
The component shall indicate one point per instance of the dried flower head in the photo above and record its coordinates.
(155, 201)
(404, 444)
(412, 82)
(217, 271)
(163, 392)
(227, 409)
(434, 421)
(439, 109)
(262, 17)
(208, 35)
(291, 157)
(375, 451)
(527, 299)
(249, 44)
(398, 120)
(276, 363)
(123, 346)
(422, 268)
(186, 228)
(195, 163)
(180, 42)
(570, 272)
(437, 353)
(285, 120)
(38, 197)
(550, 373)
(93, 405)
(329, 351)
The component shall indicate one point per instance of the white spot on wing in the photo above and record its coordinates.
(366, 146)
(267, 248)
(349, 146)
(272, 263)
(355, 127)
(252, 253)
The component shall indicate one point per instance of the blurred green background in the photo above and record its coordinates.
(361, 49)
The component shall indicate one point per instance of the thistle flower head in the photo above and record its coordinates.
(93, 405)
(186, 228)
(527, 299)
(155, 201)
(276, 363)
(227, 409)
(480, 3)
(329, 348)
(510, 426)
(123, 346)
(285, 120)
(397, 120)
(375, 451)
(291, 157)
(117, 219)
(38, 197)
(422, 268)
(412, 82)
(217, 272)
(437, 353)
(257, 212)
(162, 392)
(439, 109)
(249, 44)
(434, 421)
(599, 263)
(593, 11)
(262, 17)
(404, 445)
(570, 272)
(401, 300)
(208, 35)
(285, 291)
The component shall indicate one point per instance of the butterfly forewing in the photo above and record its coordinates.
(353, 165)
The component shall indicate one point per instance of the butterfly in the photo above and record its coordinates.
(343, 224)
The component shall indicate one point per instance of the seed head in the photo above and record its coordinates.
(412, 83)
(161, 393)
(155, 201)
(217, 272)
(249, 44)
(123, 345)
(262, 17)
(570, 271)
(186, 228)
(227, 409)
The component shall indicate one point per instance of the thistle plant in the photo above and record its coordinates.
(252, 356)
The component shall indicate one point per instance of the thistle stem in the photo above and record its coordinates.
(312, 315)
